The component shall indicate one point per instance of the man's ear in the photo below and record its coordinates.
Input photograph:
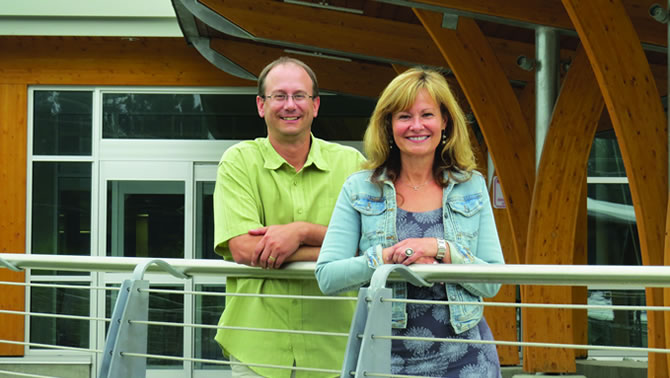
(260, 105)
(316, 101)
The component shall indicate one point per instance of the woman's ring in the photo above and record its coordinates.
(271, 259)
(409, 252)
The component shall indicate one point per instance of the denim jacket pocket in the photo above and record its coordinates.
(466, 212)
(464, 316)
(373, 211)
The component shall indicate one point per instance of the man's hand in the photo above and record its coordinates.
(296, 241)
(276, 244)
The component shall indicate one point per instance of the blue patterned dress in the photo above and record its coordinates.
(437, 359)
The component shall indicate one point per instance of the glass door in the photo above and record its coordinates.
(146, 211)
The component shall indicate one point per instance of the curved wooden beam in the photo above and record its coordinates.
(13, 140)
(551, 13)
(500, 118)
(502, 320)
(554, 213)
(640, 125)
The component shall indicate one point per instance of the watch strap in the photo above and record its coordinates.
(441, 249)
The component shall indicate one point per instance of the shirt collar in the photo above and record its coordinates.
(315, 157)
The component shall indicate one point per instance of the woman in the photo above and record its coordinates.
(420, 202)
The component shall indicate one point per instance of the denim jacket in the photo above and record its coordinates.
(364, 222)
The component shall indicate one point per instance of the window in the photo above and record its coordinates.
(612, 240)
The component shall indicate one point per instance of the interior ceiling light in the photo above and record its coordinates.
(317, 54)
(324, 5)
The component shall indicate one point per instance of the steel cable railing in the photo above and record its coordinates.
(18, 374)
(540, 274)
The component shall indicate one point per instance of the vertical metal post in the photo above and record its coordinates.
(375, 354)
(124, 336)
(366, 353)
(546, 84)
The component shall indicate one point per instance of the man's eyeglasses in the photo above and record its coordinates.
(282, 97)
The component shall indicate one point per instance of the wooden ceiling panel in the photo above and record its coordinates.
(380, 36)
(330, 29)
(357, 78)
(355, 34)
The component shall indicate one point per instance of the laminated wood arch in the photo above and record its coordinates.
(639, 122)
(551, 13)
(555, 210)
(495, 105)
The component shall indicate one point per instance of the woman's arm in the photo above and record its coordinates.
(338, 267)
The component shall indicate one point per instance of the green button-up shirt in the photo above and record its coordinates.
(256, 187)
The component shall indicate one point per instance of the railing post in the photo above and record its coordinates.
(124, 336)
(365, 352)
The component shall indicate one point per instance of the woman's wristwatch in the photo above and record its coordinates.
(441, 249)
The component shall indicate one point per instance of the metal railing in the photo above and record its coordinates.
(369, 342)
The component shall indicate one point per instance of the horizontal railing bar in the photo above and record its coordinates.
(369, 374)
(208, 326)
(49, 346)
(528, 344)
(59, 286)
(219, 362)
(48, 315)
(19, 374)
(280, 296)
(567, 275)
(532, 305)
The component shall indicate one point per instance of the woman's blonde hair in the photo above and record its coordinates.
(454, 155)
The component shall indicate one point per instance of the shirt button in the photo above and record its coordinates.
(299, 211)
(295, 183)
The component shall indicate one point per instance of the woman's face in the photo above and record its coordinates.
(417, 131)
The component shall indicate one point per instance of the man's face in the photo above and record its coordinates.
(288, 120)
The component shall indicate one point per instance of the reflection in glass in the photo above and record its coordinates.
(605, 159)
(612, 231)
(208, 309)
(204, 226)
(55, 331)
(61, 208)
(62, 122)
(145, 219)
(219, 116)
(161, 340)
(343, 117)
(617, 328)
(180, 116)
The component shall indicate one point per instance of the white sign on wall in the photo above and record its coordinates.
(498, 198)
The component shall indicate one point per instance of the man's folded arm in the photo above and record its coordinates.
(271, 246)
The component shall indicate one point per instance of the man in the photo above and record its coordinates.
(272, 203)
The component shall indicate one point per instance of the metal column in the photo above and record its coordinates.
(546, 84)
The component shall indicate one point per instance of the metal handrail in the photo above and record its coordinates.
(566, 275)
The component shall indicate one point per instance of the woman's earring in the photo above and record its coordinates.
(444, 136)
(390, 143)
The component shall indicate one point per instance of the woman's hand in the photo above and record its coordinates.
(420, 250)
